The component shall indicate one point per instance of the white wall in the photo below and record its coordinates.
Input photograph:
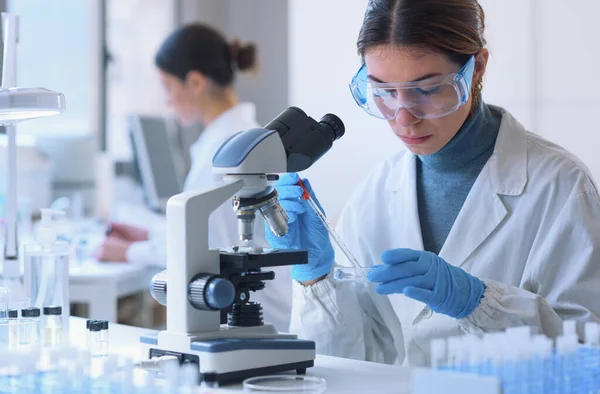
(543, 68)
(135, 30)
(245, 20)
(323, 59)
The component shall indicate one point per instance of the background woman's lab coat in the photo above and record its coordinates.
(529, 228)
(276, 298)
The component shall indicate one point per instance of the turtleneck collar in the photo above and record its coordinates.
(476, 137)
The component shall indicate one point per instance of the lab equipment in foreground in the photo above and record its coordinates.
(16, 105)
(47, 268)
(70, 370)
(514, 361)
(211, 320)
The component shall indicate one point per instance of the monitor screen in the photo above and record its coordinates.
(154, 157)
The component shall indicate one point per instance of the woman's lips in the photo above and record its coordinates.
(415, 140)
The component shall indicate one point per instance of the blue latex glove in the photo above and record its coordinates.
(305, 230)
(426, 277)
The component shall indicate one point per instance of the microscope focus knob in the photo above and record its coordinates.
(211, 292)
(158, 287)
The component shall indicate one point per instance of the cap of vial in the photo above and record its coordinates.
(87, 324)
(104, 324)
(95, 325)
(13, 313)
(53, 310)
(30, 312)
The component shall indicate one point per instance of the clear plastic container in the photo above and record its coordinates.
(350, 274)
(285, 384)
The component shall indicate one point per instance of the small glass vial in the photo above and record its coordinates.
(52, 326)
(34, 315)
(97, 345)
(13, 329)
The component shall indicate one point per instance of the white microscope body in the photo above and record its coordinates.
(203, 282)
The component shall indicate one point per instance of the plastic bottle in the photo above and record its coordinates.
(47, 268)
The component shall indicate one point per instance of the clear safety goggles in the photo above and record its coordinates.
(429, 99)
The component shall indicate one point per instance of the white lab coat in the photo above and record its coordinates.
(276, 298)
(529, 228)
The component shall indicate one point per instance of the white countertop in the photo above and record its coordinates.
(342, 375)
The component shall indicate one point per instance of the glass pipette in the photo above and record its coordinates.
(334, 235)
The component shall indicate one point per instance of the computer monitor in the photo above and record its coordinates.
(153, 156)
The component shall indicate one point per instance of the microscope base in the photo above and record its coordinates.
(235, 359)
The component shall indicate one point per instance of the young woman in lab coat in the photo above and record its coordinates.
(477, 226)
(197, 68)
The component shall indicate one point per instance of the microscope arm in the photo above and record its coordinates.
(188, 253)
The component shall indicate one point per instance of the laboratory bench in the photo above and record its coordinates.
(342, 375)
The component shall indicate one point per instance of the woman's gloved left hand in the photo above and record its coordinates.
(426, 277)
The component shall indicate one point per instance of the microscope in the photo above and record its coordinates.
(211, 321)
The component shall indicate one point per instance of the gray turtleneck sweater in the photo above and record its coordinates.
(445, 178)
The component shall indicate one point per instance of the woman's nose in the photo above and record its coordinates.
(405, 119)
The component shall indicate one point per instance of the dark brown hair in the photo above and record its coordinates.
(199, 47)
(451, 27)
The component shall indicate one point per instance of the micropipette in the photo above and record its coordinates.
(307, 197)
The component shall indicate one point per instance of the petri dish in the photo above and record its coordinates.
(285, 384)
(350, 274)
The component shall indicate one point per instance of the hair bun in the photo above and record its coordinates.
(243, 56)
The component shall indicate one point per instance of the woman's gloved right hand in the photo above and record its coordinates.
(305, 230)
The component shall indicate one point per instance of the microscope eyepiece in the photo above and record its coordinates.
(304, 139)
(335, 123)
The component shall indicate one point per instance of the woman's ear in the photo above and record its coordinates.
(481, 60)
(196, 82)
